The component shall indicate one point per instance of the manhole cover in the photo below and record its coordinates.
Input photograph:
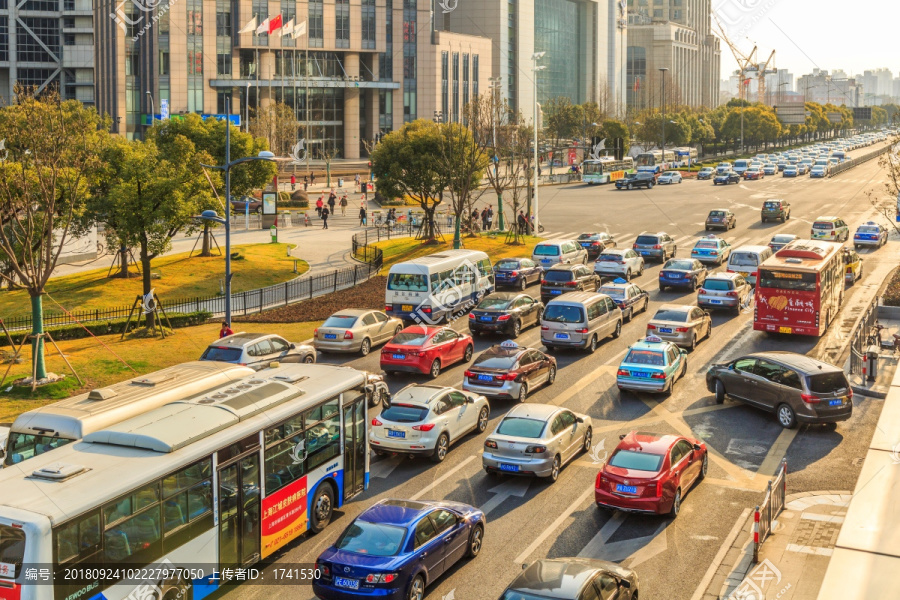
(744, 447)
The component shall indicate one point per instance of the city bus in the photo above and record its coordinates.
(168, 504)
(42, 429)
(800, 289)
(685, 157)
(606, 170)
(654, 161)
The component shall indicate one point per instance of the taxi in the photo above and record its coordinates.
(711, 250)
(832, 229)
(627, 296)
(870, 233)
(652, 365)
(853, 265)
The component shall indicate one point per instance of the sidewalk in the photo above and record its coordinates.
(885, 368)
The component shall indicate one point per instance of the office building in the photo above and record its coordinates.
(822, 87)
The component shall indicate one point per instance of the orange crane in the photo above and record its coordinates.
(746, 62)
(763, 69)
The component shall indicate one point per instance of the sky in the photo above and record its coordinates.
(831, 34)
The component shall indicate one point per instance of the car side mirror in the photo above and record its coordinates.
(579, 420)
(293, 346)
(683, 351)
(470, 400)
(697, 447)
(624, 583)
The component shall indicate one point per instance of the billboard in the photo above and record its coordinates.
(862, 113)
(834, 117)
(791, 114)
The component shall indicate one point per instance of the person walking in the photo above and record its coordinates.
(331, 195)
(490, 217)
(523, 223)
(319, 204)
(357, 180)
(344, 204)
(484, 225)
(293, 183)
(362, 216)
(312, 178)
(324, 217)
(332, 200)
(305, 183)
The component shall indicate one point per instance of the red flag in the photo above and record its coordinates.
(274, 24)
(747, 81)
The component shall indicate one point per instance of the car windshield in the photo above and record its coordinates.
(222, 353)
(718, 285)
(743, 259)
(373, 539)
(671, 314)
(772, 205)
(867, 229)
(717, 213)
(783, 239)
(495, 361)
(589, 236)
(645, 357)
(609, 258)
(342, 321)
(546, 250)
(410, 338)
(670, 173)
(826, 383)
(406, 282)
(559, 275)
(679, 265)
(823, 225)
(404, 413)
(707, 245)
(647, 240)
(495, 302)
(613, 291)
(519, 427)
(507, 264)
(639, 461)
(557, 313)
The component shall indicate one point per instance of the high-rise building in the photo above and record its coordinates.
(47, 44)
(676, 35)
(823, 88)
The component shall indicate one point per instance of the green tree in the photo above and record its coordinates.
(562, 119)
(463, 157)
(612, 129)
(46, 174)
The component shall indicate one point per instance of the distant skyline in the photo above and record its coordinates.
(805, 36)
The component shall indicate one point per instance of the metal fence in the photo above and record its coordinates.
(771, 507)
(859, 338)
(849, 164)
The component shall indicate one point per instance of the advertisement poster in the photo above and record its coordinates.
(283, 516)
(268, 203)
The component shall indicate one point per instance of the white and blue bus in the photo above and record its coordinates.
(654, 161)
(606, 170)
(685, 157)
(433, 288)
(166, 504)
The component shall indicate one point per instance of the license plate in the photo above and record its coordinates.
(396, 434)
(585, 245)
(836, 402)
(485, 378)
(627, 489)
(665, 330)
(715, 302)
(545, 260)
(488, 319)
(556, 292)
(714, 220)
(562, 336)
(404, 308)
(639, 374)
(645, 252)
(504, 467)
(343, 582)
(398, 356)
(785, 330)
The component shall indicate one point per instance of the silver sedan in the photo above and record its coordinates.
(355, 330)
(679, 324)
(536, 439)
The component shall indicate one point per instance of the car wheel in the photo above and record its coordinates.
(540, 317)
(646, 304)
(398, 329)
(483, 419)
(365, 347)
(592, 347)
(618, 330)
(707, 228)
(441, 448)
(554, 469)
(627, 318)
(628, 275)
(475, 540)
(322, 508)
(784, 218)
(630, 186)
(416, 589)
(588, 436)
(309, 359)
(516, 328)
(704, 468)
(523, 283)
(523, 392)
(551, 376)
(786, 416)
(641, 272)
(693, 345)
(649, 186)
(856, 246)
(764, 219)
(676, 504)
(435, 369)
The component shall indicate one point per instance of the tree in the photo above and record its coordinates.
(612, 129)
(561, 119)
(404, 163)
(489, 117)
(278, 124)
(154, 190)
(463, 158)
(46, 174)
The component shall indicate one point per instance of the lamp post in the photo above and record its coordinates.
(152, 108)
(247, 109)
(210, 215)
(534, 58)
(663, 70)
(495, 84)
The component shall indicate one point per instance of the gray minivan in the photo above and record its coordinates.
(580, 320)
(795, 387)
(553, 252)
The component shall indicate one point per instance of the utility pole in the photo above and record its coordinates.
(496, 83)
(536, 57)
(663, 70)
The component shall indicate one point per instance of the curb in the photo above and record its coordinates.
(868, 392)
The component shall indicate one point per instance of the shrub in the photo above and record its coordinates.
(75, 332)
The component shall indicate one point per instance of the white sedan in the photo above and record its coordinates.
(669, 177)
(619, 263)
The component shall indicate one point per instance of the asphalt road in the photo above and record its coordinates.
(531, 519)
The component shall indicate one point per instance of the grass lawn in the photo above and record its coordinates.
(180, 277)
(495, 246)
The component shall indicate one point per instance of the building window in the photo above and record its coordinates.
(223, 20)
(475, 76)
(68, 4)
(41, 5)
(657, 13)
(342, 23)
(260, 8)
(386, 58)
(368, 24)
(163, 62)
(445, 83)
(454, 86)
(28, 49)
(4, 39)
(636, 76)
(465, 81)
(410, 49)
(316, 24)
(68, 39)
(288, 12)
(194, 55)
(223, 64)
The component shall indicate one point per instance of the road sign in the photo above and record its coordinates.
(163, 109)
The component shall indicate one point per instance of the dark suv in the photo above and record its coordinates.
(639, 179)
(793, 386)
(775, 209)
(560, 279)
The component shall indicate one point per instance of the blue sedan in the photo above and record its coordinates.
(681, 273)
(517, 272)
(726, 178)
(394, 549)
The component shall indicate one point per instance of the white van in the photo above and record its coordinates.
(746, 260)
(741, 165)
(432, 288)
(554, 252)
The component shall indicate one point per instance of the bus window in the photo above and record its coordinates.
(805, 282)
(323, 437)
(80, 537)
(23, 446)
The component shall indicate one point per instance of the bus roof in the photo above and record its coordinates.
(104, 469)
(803, 255)
(439, 259)
(79, 415)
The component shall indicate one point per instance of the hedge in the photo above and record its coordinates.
(74, 332)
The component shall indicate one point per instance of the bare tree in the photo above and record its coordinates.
(463, 158)
(278, 124)
(887, 202)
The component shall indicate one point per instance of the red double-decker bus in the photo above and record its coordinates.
(800, 289)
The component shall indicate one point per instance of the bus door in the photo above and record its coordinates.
(239, 502)
(356, 450)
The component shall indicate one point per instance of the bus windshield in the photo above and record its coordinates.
(781, 280)
(23, 446)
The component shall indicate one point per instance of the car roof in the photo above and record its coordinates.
(241, 339)
(564, 267)
(615, 251)
(576, 298)
(427, 329)
(723, 275)
(504, 295)
(654, 346)
(505, 351)
(533, 411)
(561, 578)
(421, 394)
(353, 312)
(644, 441)
(800, 362)
(652, 233)
(397, 512)
(553, 242)
(827, 218)
(678, 307)
(614, 285)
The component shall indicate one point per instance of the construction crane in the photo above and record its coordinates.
(761, 74)
(747, 63)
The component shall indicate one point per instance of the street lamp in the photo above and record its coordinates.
(152, 108)
(210, 215)
(495, 84)
(663, 70)
(534, 58)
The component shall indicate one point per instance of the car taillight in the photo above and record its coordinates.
(514, 274)
(581, 330)
(657, 247)
(810, 399)
(545, 328)
(376, 422)
(348, 335)
(714, 253)
(681, 329)
(754, 273)
(380, 577)
(571, 283)
(731, 294)
(507, 377)
(634, 246)
(544, 282)
(490, 444)
(426, 309)
(651, 326)
(623, 373)
(424, 427)
(503, 318)
(658, 376)
(388, 307)
(243, 364)
(849, 394)
(469, 374)
(535, 449)
(595, 244)
(315, 332)
(599, 479)
(415, 353)
(659, 486)
(323, 569)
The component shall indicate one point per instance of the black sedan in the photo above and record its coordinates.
(517, 272)
(682, 272)
(560, 279)
(596, 243)
(640, 179)
(505, 312)
(726, 178)
(573, 579)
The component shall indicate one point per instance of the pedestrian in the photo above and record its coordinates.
(324, 217)
(357, 180)
(523, 223)
(312, 178)
(490, 217)
(362, 216)
(332, 200)
(344, 205)
(319, 204)
(449, 219)
(484, 219)
(331, 195)
(293, 183)
(225, 331)
(305, 183)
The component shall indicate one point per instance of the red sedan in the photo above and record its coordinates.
(650, 473)
(426, 349)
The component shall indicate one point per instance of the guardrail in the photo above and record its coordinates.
(771, 507)
(859, 338)
(849, 164)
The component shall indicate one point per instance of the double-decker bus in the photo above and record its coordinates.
(654, 161)
(164, 505)
(606, 170)
(800, 289)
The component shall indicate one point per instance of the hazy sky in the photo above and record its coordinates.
(853, 36)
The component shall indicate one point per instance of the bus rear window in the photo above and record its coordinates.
(404, 282)
(804, 282)
(12, 548)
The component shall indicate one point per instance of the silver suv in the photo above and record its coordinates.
(725, 290)
(659, 246)
(257, 350)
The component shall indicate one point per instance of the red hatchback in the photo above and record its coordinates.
(650, 473)
(426, 349)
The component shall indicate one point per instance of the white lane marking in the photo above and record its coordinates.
(554, 526)
(507, 489)
(441, 479)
